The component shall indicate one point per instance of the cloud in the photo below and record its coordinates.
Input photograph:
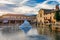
(44, 6)
(54, 0)
(6, 6)
(25, 6)
(24, 9)
(6, 2)
(31, 3)
(4, 12)
(24, 1)
(17, 1)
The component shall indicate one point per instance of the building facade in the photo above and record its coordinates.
(46, 15)
(9, 19)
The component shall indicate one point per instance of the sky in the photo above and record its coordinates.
(29, 7)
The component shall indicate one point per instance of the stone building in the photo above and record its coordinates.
(47, 15)
(9, 19)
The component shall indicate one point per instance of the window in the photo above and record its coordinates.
(6, 16)
(21, 17)
(40, 15)
(18, 16)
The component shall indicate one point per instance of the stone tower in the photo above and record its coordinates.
(57, 7)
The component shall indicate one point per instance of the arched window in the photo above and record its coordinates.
(41, 15)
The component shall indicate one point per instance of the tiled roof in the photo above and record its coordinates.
(18, 15)
(46, 11)
(13, 15)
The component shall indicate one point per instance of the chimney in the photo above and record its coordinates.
(57, 7)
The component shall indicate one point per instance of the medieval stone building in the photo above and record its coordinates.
(47, 15)
(13, 19)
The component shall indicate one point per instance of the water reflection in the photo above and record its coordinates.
(47, 30)
(43, 32)
(57, 36)
(55, 32)
(20, 35)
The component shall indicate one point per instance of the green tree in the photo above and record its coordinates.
(57, 16)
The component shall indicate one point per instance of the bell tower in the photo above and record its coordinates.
(57, 7)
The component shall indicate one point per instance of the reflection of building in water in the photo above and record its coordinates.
(16, 19)
(56, 27)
